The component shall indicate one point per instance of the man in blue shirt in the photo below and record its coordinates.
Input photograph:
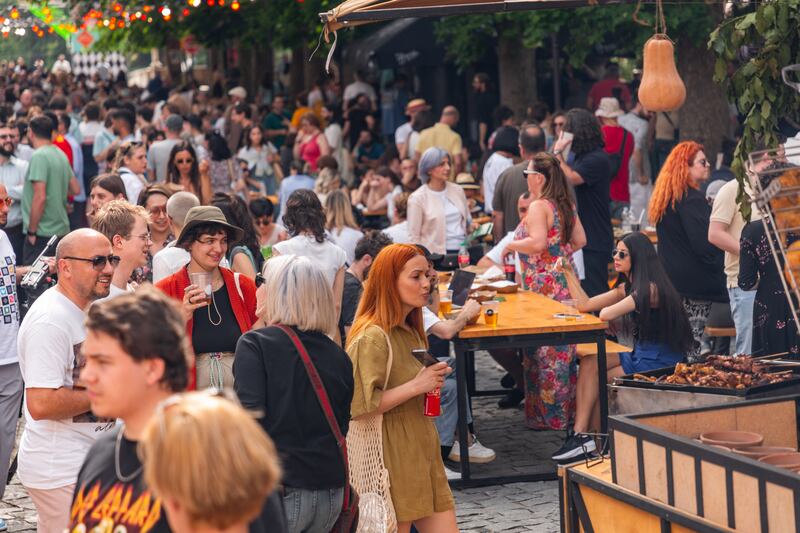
(295, 181)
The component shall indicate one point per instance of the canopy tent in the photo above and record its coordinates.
(402, 43)
(355, 12)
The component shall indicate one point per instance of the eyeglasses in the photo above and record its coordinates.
(622, 254)
(184, 161)
(8, 201)
(158, 210)
(6, 136)
(259, 280)
(143, 237)
(99, 261)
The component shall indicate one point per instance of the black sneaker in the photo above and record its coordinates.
(575, 447)
(507, 381)
(510, 400)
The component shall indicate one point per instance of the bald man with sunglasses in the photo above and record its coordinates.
(59, 426)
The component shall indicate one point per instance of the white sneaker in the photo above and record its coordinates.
(451, 474)
(478, 453)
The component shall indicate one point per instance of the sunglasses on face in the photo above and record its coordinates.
(99, 261)
(559, 124)
(703, 163)
(184, 161)
(261, 222)
(622, 254)
(158, 210)
(259, 280)
(6, 136)
(7, 200)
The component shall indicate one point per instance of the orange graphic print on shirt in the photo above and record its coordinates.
(113, 511)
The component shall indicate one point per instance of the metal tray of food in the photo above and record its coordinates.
(742, 392)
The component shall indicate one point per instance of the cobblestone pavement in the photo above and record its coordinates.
(508, 508)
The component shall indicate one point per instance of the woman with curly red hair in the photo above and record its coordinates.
(681, 215)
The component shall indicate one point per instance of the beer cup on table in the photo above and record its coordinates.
(490, 311)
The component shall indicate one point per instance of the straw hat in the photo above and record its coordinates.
(207, 214)
(417, 104)
(466, 181)
(609, 108)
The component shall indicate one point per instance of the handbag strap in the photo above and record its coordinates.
(624, 139)
(325, 402)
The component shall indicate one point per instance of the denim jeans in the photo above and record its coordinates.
(312, 511)
(742, 312)
(447, 422)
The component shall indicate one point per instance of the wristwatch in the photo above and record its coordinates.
(31, 233)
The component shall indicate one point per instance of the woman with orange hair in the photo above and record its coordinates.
(388, 324)
(681, 215)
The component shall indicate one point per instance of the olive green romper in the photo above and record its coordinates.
(410, 442)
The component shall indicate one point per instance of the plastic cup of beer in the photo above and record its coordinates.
(203, 281)
(490, 310)
(445, 301)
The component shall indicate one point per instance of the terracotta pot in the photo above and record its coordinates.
(789, 460)
(732, 439)
(757, 452)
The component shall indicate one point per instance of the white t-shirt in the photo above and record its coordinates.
(346, 239)
(429, 319)
(454, 228)
(413, 140)
(9, 306)
(133, 184)
(328, 256)
(398, 233)
(51, 451)
(494, 166)
(168, 261)
(401, 134)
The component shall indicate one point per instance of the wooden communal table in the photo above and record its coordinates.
(525, 320)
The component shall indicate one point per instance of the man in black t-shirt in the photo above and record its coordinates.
(136, 357)
(366, 249)
(590, 173)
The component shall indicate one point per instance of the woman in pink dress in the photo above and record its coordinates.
(549, 234)
(311, 143)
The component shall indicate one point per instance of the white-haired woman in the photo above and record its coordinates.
(438, 214)
(269, 378)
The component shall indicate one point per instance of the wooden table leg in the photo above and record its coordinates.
(461, 388)
(602, 378)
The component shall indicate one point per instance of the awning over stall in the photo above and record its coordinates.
(402, 43)
(355, 12)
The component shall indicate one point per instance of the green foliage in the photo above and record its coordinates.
(771, 34)
(580, 30)
(31, 47)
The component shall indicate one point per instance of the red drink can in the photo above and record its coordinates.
(433, 405)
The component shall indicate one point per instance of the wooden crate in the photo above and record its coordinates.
(656, 455)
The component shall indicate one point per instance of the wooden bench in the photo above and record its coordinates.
(720, 332)
(586, 350)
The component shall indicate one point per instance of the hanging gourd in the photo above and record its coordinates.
(662, 89)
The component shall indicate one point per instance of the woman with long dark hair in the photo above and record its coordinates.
(550, 233)
(646, 298)
(183, 169)
(222, 170)
(243, 255)
(590, 173)
(262, 156)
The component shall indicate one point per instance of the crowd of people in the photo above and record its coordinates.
(206, 240)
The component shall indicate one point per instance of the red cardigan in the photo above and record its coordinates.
(244, 309)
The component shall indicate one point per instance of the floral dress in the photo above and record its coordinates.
(774, 330)
(550, 371)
